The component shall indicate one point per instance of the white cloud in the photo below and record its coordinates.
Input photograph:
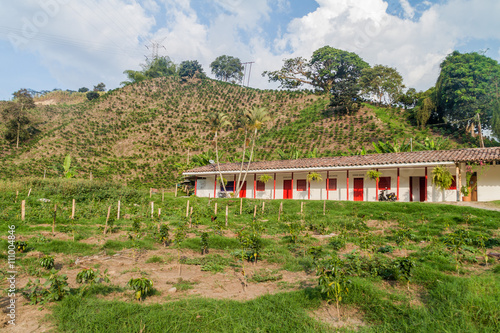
(407, 8)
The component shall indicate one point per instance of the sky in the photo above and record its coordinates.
(68, 44)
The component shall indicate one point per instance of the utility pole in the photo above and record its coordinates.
(249, 64)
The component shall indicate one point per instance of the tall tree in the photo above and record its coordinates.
(382, 81)
(227, 68)
(254, 120)
(158, 67)
(16, 115)
(217, 121)
(100, 87)
(190, 68)
(466, 90)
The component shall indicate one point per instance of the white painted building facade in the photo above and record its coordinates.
(408, 175)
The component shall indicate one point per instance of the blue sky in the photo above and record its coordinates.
(67, 44)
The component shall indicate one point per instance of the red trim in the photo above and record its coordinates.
(327, 185)
(292, 186)
(274, 187)
(347, 185)
(234, 186)
(398, 186)
(254, 184)
(425, 184)
(376, 186)
(195, 185)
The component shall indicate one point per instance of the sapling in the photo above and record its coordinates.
(204, 243)
(333, 280)
(405, 266)
(455, 242)
(179, 237)
(142, 287)
(47, 262)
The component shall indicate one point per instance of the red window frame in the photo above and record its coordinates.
(260, 186)
(384, 182)
(301, 185)
(332, 184)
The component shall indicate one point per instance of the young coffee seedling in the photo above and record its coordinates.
(333, 280)
(21, 246)
(405, 266)
(204, 243)
(47, 262)
(142, 286)
(163, 234)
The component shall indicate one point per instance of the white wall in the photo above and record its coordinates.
(488, 182)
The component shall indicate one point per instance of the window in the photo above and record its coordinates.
(332, 184)
(261, 186)
(301, 185)
(229, 186)
(453, 184)
(384, 182)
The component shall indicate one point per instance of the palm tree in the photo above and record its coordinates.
(253, 121)
(217, 121)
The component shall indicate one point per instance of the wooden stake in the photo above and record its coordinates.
(281, 207)
(162, 194)
(176, 190)
(191, 217)
(44, 171)
(23, 210)
(324, 207)
(118, 212)
(279, 214)
(73, 208)
(302, 207)
(17, 194)
(159, 212)
(215, 210)
(150, 192)
(29, 192)
(255, 211)
(54, 220)
(263, 205)
(241, 206)
(107, 219)
(152, 208)
(227, 213)
(187, 209)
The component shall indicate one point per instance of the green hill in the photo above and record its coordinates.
(138, 133)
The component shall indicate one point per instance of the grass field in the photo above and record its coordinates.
(409, 267)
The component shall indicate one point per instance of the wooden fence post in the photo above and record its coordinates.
(263, 205)
(73, 209)
(44, 171)
(29, 192)
(324, 207)
(176, 190)
(162, 194)
(118, 212)
(215, 209)
(17, 194)
(150, 192)
(54, 220)
(302, 207)
(159, 212)
(152, 208)
(107, 219)
(227, 213)
(254, 211)
(241, 206)
(191, 218)
(187, 209)
(23, 210)
(91, 175)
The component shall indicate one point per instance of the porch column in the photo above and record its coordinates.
(347, 185)
(376, 188)
(425, 184)
(327, 185)
(274, 187)
(308, 188)
(234, 187)
(254, 184)
(215, 187)
(292, 185)
(195, 184)
(458, 183)
(398, 186)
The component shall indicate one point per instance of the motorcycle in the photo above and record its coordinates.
(387, 196)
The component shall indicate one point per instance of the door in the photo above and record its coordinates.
(358, 189)
(423, 191)
(243, 191)
(473, 187)
(287, 189)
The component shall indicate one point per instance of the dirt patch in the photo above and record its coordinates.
(350, 317)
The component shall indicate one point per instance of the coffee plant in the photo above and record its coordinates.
(143, 287)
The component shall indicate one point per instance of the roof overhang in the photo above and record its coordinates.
(336, 168)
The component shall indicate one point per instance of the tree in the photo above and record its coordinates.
(158, 67)
(254, 120)
(382, 81)
(100, 87)
(91, 95)
(190, 68)
(16, 115)
(217, 121)
(466, 91)
(409, 98)
(227, 68)
(328, 67)
(83, 89)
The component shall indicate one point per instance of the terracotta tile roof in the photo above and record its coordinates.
(417, 157)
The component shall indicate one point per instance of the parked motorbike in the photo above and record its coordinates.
(387, 196)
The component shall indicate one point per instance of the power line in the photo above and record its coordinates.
(249, 64)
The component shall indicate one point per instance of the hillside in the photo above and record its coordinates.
(138, 133)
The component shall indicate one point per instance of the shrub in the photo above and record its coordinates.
(142, 287)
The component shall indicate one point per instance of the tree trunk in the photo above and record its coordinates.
(18, 131)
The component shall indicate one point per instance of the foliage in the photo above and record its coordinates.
(382, 81)
(83, 89)
(204, 243)
(21, 246)
(227, 68)
(314, 176)
(333, 279)
(100, 87)
(442, 177)
(405, 266)
(251, 242)
(90, 277)
(394, 147)
(143, 287)
(16, 116)
(265, 178)
(47, 262)
(91, 95)
(163, 234)
(373, 174)
(190, 69)
(467, 86)
(55, 288)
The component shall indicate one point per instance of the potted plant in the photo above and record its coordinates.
(374, 174)
(314, 176)
(265, 178)
(442, 177)
(466, 195)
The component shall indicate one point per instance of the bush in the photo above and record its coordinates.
(91, 95)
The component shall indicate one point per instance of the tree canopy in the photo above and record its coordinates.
(158, 67)
(383, 82)
(468, 86)
(190, 68)
(16, 116)
(227, 68)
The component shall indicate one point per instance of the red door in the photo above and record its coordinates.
(423, 190)
(287, 189)
(358, 189)
(243, 191)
